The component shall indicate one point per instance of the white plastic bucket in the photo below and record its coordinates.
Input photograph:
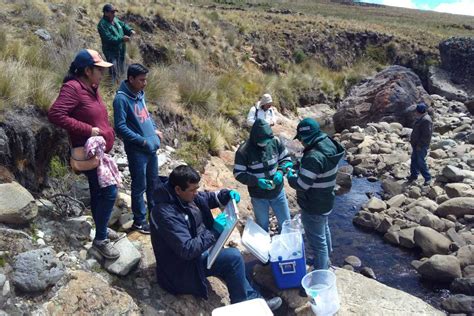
(321, 288)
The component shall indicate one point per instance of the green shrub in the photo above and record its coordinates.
(376, 53)
(57, 168)
(299, 56)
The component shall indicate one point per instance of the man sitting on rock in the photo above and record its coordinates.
(264, 110)
(183, 230)
(314, 184)
(420, 142)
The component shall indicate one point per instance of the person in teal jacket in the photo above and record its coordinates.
(260, 163)
(141, 139)
(114, 34)
(314, 183)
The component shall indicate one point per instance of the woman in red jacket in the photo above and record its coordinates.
(79, 109)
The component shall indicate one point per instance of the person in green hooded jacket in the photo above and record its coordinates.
(114, 34)
(314, 183)
(260, 163)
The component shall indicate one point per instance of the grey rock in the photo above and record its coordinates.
(430, 241)
(36, 270)
(459, 303)
(43, 34)
(438, 154)
(129, 258)
(397, 200)
(468, 271)
(434, 192)
(385, 225)
(443, 144)
(425, 203)
(416, 213)
(80, 191)
(367, 219)
(3, 279)
(455, 237)
(6, 289)
(455, 174)
(406, 237)
(414, 192)
(463, 286)
(391, 187)
(18, 210)
(416, 264)
(441, 268)
(368, 272)
(79, 226)
(459, 190)
(433, 221)
(376, 205)
(392, 237)
(353, 261)
(348, 267)
(457, 206)
(465, 255)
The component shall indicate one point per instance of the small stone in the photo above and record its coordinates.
(348, 267)
(6, 288)
(43, 34)
(3, 279)
(353, 261)
(368, 272)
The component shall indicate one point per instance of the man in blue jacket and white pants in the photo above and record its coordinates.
(141, 139)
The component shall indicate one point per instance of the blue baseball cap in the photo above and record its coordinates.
(421, 107)
(88, 57)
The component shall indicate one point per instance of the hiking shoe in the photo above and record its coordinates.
(143, 228)
(427, 182)
(106, 249)
(410, 179)
(274, 303)
(114, 236)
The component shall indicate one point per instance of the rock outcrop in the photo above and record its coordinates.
(384, 98)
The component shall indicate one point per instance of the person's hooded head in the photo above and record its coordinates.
(261, 133)
(309, 132)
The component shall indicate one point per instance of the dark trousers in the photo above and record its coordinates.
(102, 203)
(143, 171)
(118, 69)
(229, 266)
(418, 163)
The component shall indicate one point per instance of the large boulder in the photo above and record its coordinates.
(88, 294)
(32, 142)
(457, 57)
(36, 270)
(458, 304)
(440, 268)
(458, 207)
(17, 205)
(430, 241)
(385, 97)
(358, 295)
(465, 255)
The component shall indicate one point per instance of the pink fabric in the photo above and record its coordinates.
(107, 172)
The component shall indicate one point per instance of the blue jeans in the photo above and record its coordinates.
(418, 163)
(317, 233)
(279, 205)
(143, 171)
(229, 266)
(102, 203)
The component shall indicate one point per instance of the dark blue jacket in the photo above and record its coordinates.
(133, 122)
(176, 244)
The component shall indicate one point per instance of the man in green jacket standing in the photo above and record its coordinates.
(114, 34)
(314, 184)
(260, 163)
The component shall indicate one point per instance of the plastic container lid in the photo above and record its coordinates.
(255, 307)
(256, 240)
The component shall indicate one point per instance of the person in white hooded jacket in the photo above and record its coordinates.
(264, 110)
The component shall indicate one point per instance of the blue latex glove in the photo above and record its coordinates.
(287, 165)
(291, 174)
(278, 178)
(219, 222)
(264, 184)
(234, 195)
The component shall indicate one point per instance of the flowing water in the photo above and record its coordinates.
(391, 264)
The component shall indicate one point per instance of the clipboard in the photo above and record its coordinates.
(231, 211)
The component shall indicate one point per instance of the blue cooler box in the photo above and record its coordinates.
(289, 273)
